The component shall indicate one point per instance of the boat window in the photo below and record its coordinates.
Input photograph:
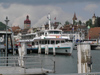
(36, 43)
(46, 42)
(68, 40)
(57, 32)
(41, 33)
(45, 34)
(54, 32)
(57, 41)
(32, 43)
(42, 42)
(62, 41)
(23, 37)
(51, 32)
(52, 42)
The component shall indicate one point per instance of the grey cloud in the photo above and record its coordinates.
(44, 2)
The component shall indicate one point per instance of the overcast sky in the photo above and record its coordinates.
(63, 10)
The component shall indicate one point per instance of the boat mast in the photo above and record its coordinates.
(49, 21)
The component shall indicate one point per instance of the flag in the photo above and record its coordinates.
(55, 18)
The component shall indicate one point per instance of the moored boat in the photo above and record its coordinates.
(50, 40)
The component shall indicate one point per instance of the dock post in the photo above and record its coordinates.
(39, 49)
(54, 52)
(84, 58)
(46, 49)
(22, 52)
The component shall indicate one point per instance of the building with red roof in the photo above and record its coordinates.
(94, 33)
(16, 29)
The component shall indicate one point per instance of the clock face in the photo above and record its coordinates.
(28, 25)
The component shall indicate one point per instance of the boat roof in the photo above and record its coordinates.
(4, 32)
(49, 30)
(28, 34)
(51, 39)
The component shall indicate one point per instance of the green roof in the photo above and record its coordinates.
(2, 26)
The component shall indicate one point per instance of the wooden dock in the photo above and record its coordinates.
(4, 70)
(32, 66)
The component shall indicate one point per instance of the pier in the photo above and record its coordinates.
(22, 64)
(13, 66)
(92, 73)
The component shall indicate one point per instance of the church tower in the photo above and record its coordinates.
(93, 19)
(27, 23)
(74, 18)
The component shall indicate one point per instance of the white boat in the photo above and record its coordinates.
(53, 39)
(49, 40)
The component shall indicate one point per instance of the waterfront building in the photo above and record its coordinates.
(94, 33)
(78, 31)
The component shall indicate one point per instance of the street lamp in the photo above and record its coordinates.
(6, 40)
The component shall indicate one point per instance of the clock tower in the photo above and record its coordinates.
(27, 23)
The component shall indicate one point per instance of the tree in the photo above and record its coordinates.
(97, 22)
(89, 22)
(80, 22)
(2, 26)
(67, 23)
(74, 22)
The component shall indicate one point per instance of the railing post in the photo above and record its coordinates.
(54, 52)
(54, 67)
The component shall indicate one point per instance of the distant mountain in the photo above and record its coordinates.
(2, 26)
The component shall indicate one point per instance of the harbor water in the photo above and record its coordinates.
(68, 64)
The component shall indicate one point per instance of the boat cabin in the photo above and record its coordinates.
(49, 33)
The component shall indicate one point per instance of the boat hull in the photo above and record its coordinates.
(59, 49)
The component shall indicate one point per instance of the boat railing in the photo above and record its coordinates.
(29, 62)
(8, 61)
(91, 73)
(39, 62)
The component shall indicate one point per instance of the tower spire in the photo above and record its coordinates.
(74, 18)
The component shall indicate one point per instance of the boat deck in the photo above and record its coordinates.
(4, 70)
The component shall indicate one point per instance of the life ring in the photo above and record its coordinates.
(29, 45)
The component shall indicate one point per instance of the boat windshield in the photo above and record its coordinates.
(28, 37)
(54, 32)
